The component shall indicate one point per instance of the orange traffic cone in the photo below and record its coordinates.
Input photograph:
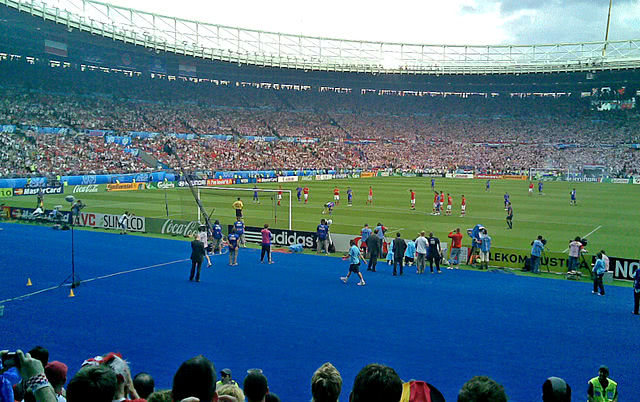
(29, 282)
(71, 293)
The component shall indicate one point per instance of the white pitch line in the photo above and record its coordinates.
(92, 279)
(587, 235)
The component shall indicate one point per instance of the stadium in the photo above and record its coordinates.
(126, 133)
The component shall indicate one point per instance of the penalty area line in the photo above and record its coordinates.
(92, 279)
(585, 236)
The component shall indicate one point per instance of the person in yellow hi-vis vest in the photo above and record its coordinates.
(602, 388)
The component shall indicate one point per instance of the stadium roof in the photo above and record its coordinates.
(274, 49)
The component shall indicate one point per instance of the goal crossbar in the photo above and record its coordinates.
(261, 190)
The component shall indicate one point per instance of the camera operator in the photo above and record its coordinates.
(75, 211)
(575, 247)
(536, 252)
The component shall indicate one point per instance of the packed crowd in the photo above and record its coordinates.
(31, 377)
(365, 130)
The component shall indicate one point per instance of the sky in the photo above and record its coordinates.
(472, 22)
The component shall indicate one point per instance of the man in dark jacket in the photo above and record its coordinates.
(197, 256)
(434, 252)
(399, 247)
(373, 247)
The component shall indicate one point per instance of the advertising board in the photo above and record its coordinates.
(126, 186)
(219, 182)
(34, 190)
(324, 177)
(281, 237)
(287, 179)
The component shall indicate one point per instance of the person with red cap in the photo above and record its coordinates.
(56, 373)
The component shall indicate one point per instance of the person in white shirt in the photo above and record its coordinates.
(421, 252)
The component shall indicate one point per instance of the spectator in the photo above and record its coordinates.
(376, 383)
(120, 367)
(456, 245)
(161, 396)
(144, 385)
(226, 391)
(373, 248)
(56, 373)
(326, 384)
(556, 389)
(482, 389)
(422, 246)
(93, 383)
(598, 275)
(195, 377)
(537, 246)
(485, 249)
(255, 387)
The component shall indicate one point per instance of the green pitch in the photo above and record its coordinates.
(606, 213)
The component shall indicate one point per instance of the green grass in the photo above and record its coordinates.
(609, 207)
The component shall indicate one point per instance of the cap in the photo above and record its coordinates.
(225, 372)
(56, 372)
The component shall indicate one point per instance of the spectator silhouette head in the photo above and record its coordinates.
(92, 383)
(144, 385)
(482, 389)
(40, 353)
(255, 386)
(232, 390)
(556, 389)
(376, 383)
(326, 384)
(195, 377)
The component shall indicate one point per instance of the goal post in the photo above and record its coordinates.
(217, 197)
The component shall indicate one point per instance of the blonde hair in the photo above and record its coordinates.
(232, 390)
(326, 384)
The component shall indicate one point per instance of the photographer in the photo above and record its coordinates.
(32, 373)
(575, 247)
(536, 253)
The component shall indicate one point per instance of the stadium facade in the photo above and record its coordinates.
(89, 33)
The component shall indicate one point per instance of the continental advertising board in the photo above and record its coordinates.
(126, 186)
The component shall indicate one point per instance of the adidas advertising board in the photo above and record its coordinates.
(281, 237)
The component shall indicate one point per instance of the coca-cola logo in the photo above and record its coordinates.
(179, 228)
(91, 188)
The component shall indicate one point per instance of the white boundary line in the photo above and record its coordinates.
(93, 279)
(585, 236)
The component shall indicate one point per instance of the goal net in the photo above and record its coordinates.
(547, 174)
(260, 205)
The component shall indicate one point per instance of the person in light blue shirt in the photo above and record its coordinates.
(410, 253)
(599, 268)
(485, 247)
(365, 233)
(536, 253)
(354, 263)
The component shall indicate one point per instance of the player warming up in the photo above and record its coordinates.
(328, 207)
(279, 195)
(354, 257)
(449, 204)
(299, 193)
(463, 206)
(506, 200)
(573, 201)
(509, 216)
(413, 199)
(336, 195)
(305, 192)
(349, 196)
(530, 188)
(255, 195)
(370, 196)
